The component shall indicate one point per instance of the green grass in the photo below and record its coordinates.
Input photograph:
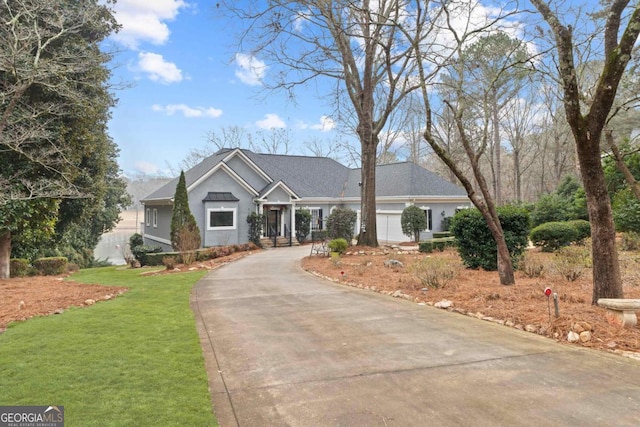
(135, 360)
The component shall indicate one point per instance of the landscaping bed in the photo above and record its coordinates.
(478, 293)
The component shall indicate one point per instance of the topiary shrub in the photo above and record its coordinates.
(303, 224)
(553, 235)
(135, 240)
(338, 245)
(413, 222)
(475, 243)
(51, 266)
(341, 224)
(141, 253)
(19, 267)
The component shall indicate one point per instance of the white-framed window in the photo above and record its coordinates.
(155, 218)
(429, 214)
(317, 221)
(147, 216)
(222, 219)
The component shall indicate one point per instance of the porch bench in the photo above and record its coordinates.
(320, 248)
(621, 311)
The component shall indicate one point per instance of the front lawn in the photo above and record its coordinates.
(135, 360)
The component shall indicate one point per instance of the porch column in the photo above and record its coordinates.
(260, 212)
(282, 224)
(293, 219)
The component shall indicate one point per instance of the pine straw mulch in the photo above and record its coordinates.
(478, 293)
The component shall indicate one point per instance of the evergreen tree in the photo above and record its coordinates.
(185, 234)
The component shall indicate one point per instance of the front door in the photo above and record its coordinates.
(273, 223)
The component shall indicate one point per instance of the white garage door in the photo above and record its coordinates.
(390, 228)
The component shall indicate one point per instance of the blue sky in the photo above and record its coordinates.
(185, 78)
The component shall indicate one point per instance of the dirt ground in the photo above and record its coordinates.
(24, 298)
(478, 293)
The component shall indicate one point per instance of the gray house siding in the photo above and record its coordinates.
(158, 232)
(221, 181)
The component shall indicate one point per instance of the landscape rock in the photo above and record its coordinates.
(21, 305)
(397, 294)
(393, 263)
(573, 337)
(531, 328)
(585, 336)
(509, 323)
(443, 304)
(58, 311)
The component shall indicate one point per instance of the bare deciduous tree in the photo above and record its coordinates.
(587, 126)
(358, 46)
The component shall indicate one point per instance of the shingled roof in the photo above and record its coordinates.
(324, 177)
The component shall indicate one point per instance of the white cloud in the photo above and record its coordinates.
(189, 112)
(158, 69)
(326, 124)
(146, 167)
(271, 121)
(143, 20)
(250, 70)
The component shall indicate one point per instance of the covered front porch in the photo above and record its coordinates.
(278, 205)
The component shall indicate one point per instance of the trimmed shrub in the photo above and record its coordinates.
(439, 244)
(51, 266)
(475, 243)
(551, 236)
(142, 252)
(303, 224)
(582, 227)
(338, 245)
(341, 224)
(441, 234)
(135, 240)
(413, 222)
(19, 267)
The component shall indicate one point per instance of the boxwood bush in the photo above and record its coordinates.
(553, 235)
(51, 266)
(338, 245)
(141, 253)
(475, 243)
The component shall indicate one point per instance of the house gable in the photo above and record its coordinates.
(224, 168)
(277, 192)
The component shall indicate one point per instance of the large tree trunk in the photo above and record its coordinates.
(5, 254)
(607, 282)
(368, 230)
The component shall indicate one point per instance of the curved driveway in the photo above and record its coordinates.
(284, 348)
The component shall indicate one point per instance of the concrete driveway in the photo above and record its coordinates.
(284, 348)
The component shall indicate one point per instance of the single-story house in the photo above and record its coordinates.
(226, 187)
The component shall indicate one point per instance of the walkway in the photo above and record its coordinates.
(284, 348)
